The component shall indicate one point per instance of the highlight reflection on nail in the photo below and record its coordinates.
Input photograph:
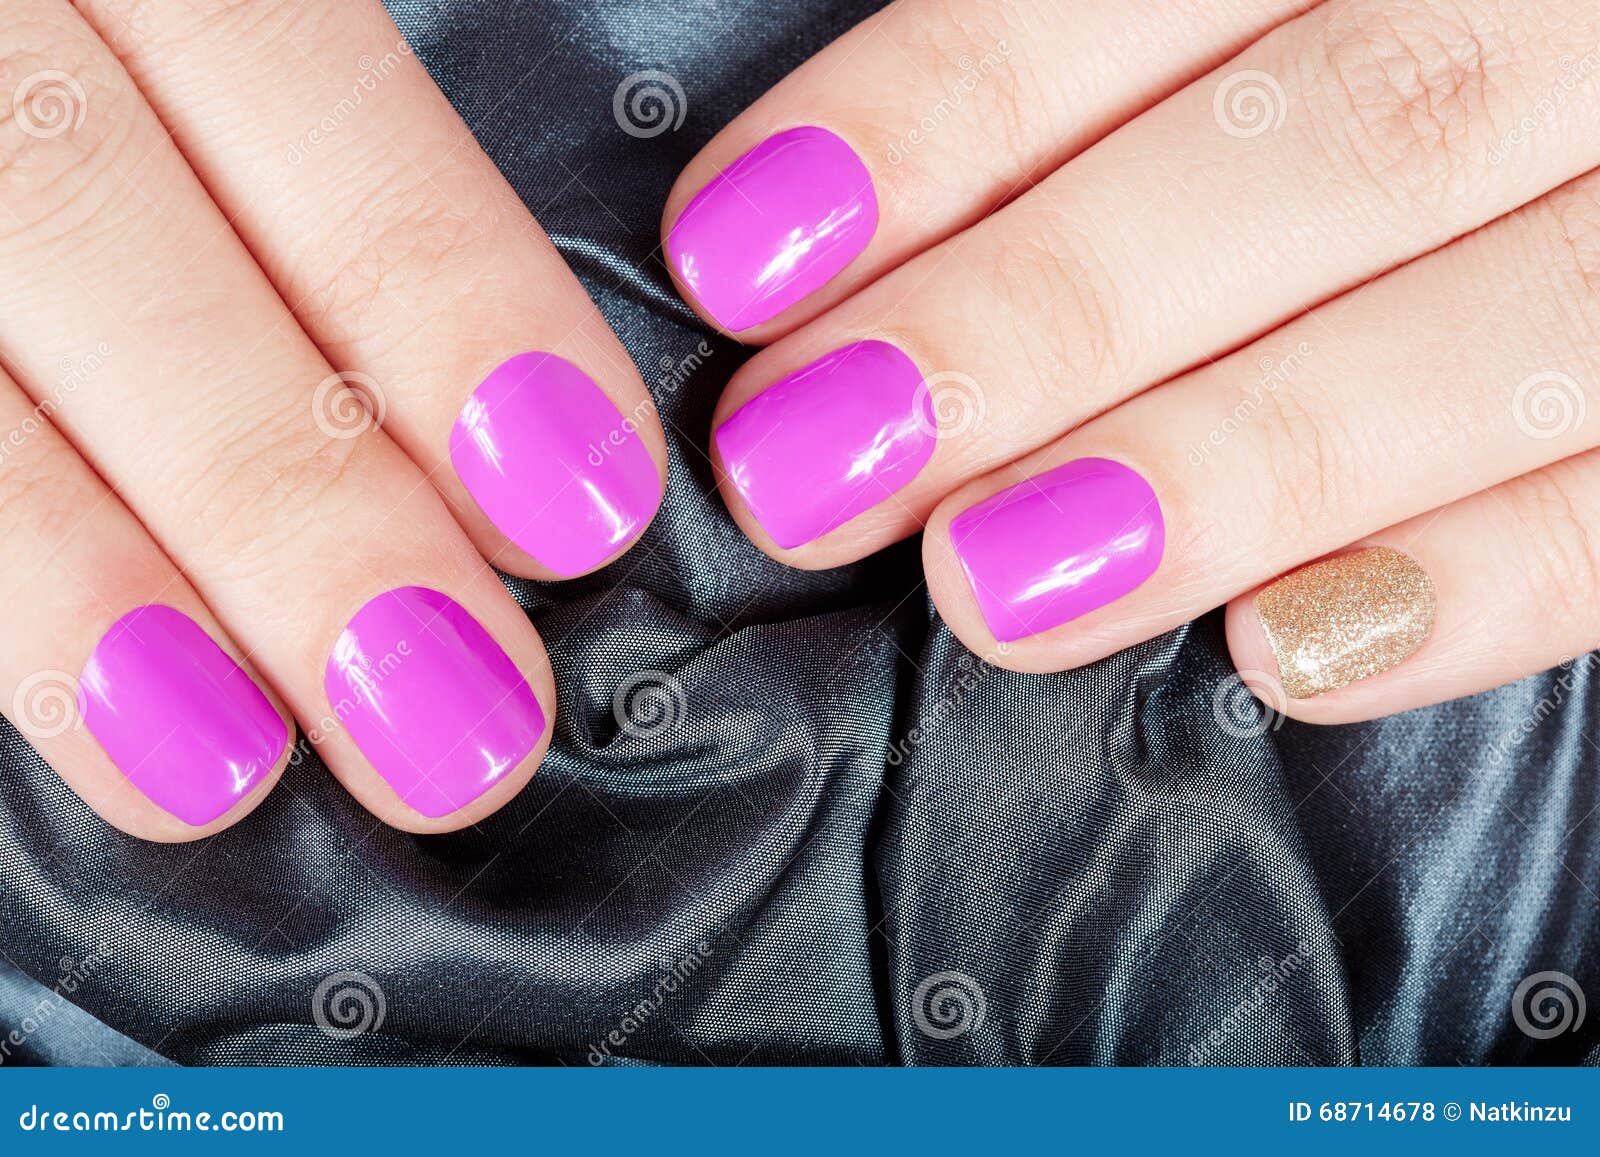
(434, 703)
(1346, 618)
(829, 441)
(177, 715)
(773, 227)
(1059, 545)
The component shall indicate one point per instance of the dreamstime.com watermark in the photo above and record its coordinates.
(1276, 972)
(971, 74)
(73, 374)
(373, 72)
(1571, 673)
(158, 1117)
(649, 103)
(948, 1005)
(1571, 74)
(75, 971)
(675, 974)
(675, 372)
(1275, 373)
(1547, 1004)
(969, 675)
(373, 673)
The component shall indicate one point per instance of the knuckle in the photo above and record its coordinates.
(62, 113)
(1410, 88)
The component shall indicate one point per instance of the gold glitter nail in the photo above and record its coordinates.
(1345, 618)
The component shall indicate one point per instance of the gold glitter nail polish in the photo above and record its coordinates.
(1345, 618)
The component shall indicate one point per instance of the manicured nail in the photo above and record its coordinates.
(774, 226)
(555, 466)
(1059, 545)
(431, 699)
(177, 715)
(815, 449)
(1345, 618)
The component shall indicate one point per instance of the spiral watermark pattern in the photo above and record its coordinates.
(46, 705)
(1248, 704)
(348, 1004)
(347, 405)
(49, 104)
(649, 704)
(1249, 103)
(948, 1005)
(649, 103)
(956, 402)
(1547, 1004)
(1549, 404)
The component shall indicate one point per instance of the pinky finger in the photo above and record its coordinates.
(1480, 593)
(110, 665)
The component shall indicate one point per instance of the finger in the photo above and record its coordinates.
(304, 542)
(1338, 425)
(1485, 591)
(412, 264)
(912, 126)
(1172, 241)
(111, 666)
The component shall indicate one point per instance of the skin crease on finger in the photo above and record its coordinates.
(1027, 571)
(1054, 544)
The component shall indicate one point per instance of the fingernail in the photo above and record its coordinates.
(815, 449)
(1345, 618)
(1059, 545)
(434, 703)
(177, 715)
(774, 226)
(554, 464)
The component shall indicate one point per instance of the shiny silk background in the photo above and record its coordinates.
(1123, 864)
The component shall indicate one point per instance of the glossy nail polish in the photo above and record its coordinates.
(1346, 618)
(177, 715)
(774, 226)
(815, 449)
(554, 464)
(1059, 545)
(434, 703)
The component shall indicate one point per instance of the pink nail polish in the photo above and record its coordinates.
(815, 449)
(1059, 545)
(774, 226)
(431, 699)
(177, 715)
(555, 466)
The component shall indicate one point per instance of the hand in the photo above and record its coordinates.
(206, 534)
(1141, 309)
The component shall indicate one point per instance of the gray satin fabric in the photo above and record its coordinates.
(875, 849)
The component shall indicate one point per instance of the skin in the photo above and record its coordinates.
(1077, 237)
(210, 266)
(1109, 270)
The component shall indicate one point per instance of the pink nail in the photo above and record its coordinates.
(1059, 545)
(774, 226)
(815, 449)
(431, 699)
(179, 717)
(555, 466)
